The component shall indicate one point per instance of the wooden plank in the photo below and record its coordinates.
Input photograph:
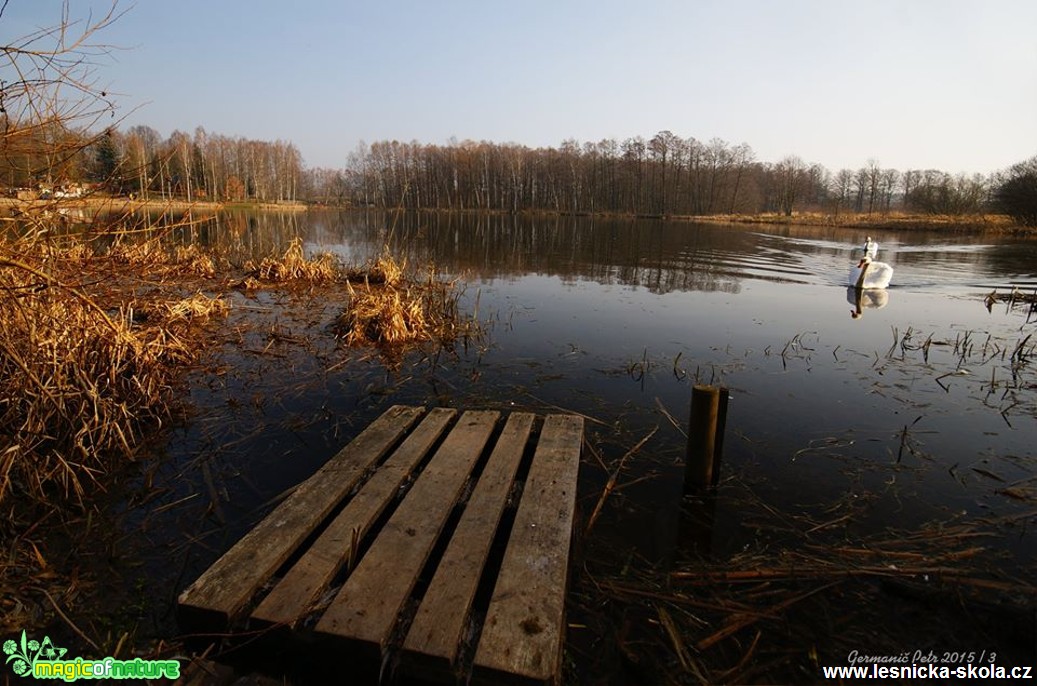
(365, 609)
(522, 637)
(219, 595)
(310, 576)
(435, 636)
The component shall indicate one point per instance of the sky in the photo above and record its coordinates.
(910, 84)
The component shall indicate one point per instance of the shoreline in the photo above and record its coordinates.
(123, 204)
(892, 221)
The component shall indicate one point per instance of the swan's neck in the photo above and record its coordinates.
(864, 270)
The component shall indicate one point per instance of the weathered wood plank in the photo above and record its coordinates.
(365, 609)
(522, 637)
(435, 635)
(219, 595)
(310, 576)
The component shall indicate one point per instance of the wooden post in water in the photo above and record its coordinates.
(705, 438)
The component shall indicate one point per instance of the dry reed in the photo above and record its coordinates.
(1013, 299)
(193, 259)
(295, 266)
(385, 270)
(86, 364)
(391, 311)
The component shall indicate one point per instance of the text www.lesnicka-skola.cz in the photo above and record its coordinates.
(876, 671)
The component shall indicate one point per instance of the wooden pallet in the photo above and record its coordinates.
(419, 500)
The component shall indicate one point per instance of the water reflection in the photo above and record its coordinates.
(862, 299)
(659, 256)
(575, 304)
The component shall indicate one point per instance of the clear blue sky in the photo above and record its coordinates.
(945, 84)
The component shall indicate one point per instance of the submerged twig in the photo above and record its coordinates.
(611, 484)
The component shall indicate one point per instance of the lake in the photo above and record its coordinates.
(912, 408)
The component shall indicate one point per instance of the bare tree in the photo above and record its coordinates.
(49, 96)
(792, 174)
(889, 180)
(874, 176)
(860, 188)
(908, 182)
(842, 183)
(742, 157)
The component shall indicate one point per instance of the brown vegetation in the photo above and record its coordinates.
(293, 265)
(389, 311)
(93, 341)
(779, 615)
(88, 362)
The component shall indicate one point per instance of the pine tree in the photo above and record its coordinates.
(106, 163)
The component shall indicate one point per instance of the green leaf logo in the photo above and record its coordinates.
(25, 653)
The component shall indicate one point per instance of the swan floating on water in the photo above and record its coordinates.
(871, 248)
(868, 274)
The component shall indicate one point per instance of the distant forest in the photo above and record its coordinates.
(665, 175)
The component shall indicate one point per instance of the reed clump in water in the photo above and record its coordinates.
(197, 307)
(192, 259)
(384, 271)
(87, 363)
(386, 309)
(294, 266)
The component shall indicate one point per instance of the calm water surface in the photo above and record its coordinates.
(616, 320)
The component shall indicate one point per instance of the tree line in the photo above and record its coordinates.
(665, 175)
(661, 176)
(139, 161)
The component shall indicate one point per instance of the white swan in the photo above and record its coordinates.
(868, 274)
(871, 248)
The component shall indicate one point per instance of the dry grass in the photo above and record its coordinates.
(193, 259)
(86, 363)
(198, 307)
(384, 315)
(93, 341)
(386, 271)
(295, 266)
(388, 310)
